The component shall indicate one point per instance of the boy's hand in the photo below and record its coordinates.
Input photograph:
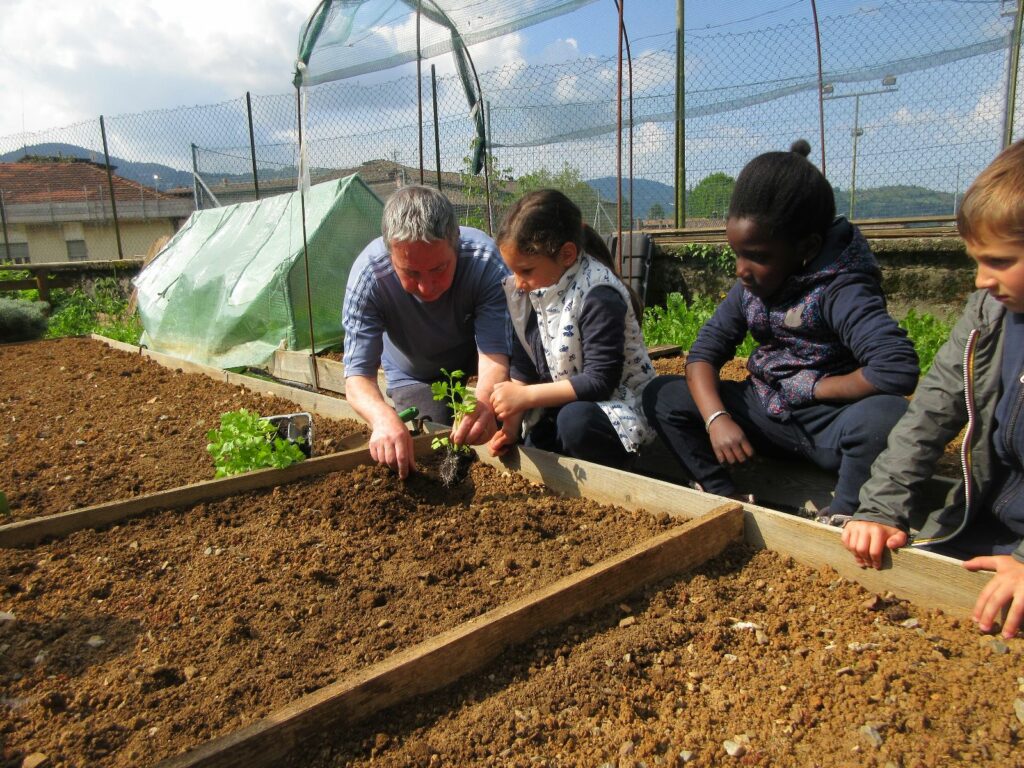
(729, 441)
(868, 541)
(508, 399)
(1005, 589)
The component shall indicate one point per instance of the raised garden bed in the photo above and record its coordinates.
(135, 643)
(271, 618)
(82, 423)
(793, 666)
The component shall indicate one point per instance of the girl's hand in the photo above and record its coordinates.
(1005, 590)
(729, 441)
(501, 442)
(509, 398)
(868, 541)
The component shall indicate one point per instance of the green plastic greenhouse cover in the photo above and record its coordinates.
(344, 38)
(230, 286)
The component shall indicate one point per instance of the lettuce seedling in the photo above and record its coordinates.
(245, 442)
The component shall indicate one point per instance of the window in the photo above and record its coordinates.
(18, 251)
(76, 250)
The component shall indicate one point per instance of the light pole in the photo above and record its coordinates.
(828, 92)
(156, 182)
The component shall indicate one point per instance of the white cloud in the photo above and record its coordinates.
(69, 61)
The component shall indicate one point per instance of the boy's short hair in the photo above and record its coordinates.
(993, 205)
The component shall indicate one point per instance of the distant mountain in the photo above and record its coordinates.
(895, 202)
(872, 202)
(140, 172)
(645, 194)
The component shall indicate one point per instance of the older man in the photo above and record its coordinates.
(425, 296)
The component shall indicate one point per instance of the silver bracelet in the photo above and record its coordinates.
(711, 420)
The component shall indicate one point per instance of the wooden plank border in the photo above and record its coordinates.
(469, 647)
(923, 577)
(317, 404)
(24, 532)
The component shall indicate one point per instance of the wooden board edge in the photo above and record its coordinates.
(323, 405)
(923, 577)
(115, 344)
(25, 532)
(443, 659)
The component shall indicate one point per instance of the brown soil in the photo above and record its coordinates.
(81, 424)
(735, 370)
(208, 618)
(797, 667)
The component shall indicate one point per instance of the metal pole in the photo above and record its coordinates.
(419, 83)
(821, 86)
(853, 168)
(305, 251)
(195, 178)
(7, 237)
(618, 139)
(437, 134)
(110, 183)
(252, 145)
(680, 121)
(1012, 66)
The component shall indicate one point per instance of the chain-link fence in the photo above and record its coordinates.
(919, 96)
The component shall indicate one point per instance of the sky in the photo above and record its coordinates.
(64, 61)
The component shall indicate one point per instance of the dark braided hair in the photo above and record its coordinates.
(541, 222)
(784, 193)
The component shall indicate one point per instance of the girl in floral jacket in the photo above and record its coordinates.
(580, 364)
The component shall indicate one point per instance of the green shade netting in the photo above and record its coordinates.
(230, 286)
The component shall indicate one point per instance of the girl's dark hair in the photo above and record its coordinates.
(785, 193)
(541, 222)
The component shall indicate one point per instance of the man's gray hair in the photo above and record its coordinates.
(417, 214)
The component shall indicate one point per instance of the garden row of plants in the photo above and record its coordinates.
(101, 308)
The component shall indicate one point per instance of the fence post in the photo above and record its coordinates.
(195, 178)
(680, 121)
(3, 218)
(252, 146)
(1012, 66)
(110, 183)
(437, 135)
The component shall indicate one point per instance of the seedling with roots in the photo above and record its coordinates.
(456, 396)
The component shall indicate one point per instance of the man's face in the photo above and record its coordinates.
(426, 270)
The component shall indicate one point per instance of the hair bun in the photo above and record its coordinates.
(801, 147)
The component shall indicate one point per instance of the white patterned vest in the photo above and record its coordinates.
(558, 310)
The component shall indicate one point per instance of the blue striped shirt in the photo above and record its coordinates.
(386, 325)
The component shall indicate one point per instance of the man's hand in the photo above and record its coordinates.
(729, 442)
(868, 541)
(477, 427)
(1004, 590)
(391, 444)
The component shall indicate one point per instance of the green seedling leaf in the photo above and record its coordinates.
(246, 442)
(460, 400)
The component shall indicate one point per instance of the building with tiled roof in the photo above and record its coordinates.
(59, 209)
